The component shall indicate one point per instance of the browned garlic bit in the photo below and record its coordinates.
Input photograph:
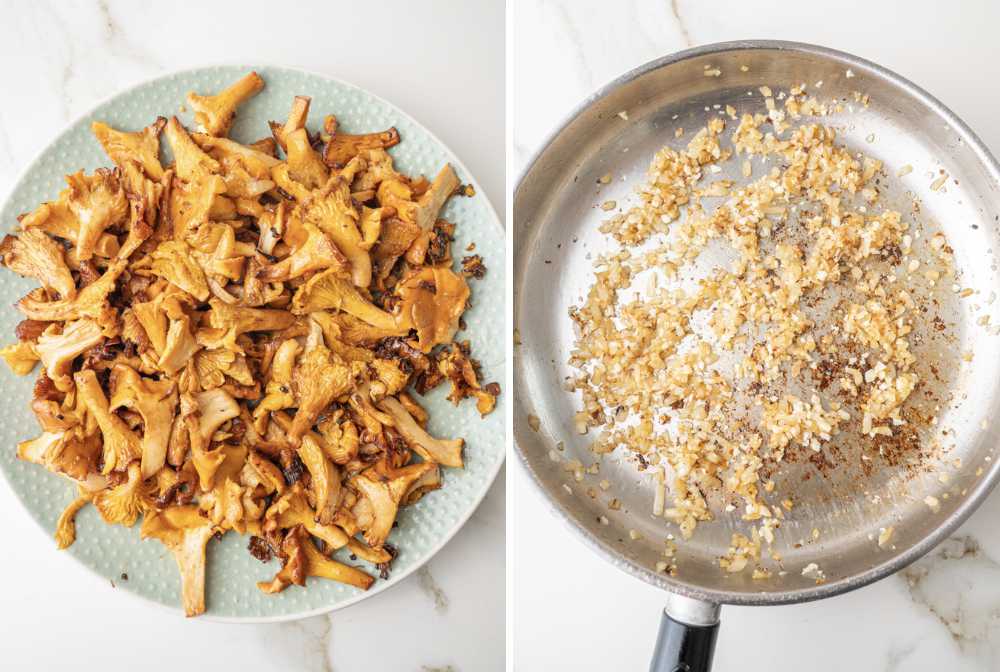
(228, 342)
(667, 371)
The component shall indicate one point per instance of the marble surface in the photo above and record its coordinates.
(573, 611)
(58, 60)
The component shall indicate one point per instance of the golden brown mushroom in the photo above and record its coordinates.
(343, 147)
(213, 366)
(155, 401)
(69, 453)
(65, 533)
(33, 254)
(179, 344)
(192, 203)
(316, 253)
(175, 262)
(224, 506)
(215, 113)
(296, 119)
(245, 170)
(20, 357)
(304, 560)
(432, 301)
(98, 202)
(191, 163)
(327, 291)
(456, 365)
(305, 165)
(56, 219)
(443, 451)
(58, 350)
(89, 302)
(429, 206)
(324, 479)
(319, 378)
(123, 504)
(382, 491)
(292, 508)
(185, 532)
(141, 147)
(331, 209)
(121, 445)
(226, 322)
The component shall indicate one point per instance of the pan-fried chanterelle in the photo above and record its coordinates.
(227, 341)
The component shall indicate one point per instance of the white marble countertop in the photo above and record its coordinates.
(575, 612)
(58, 60)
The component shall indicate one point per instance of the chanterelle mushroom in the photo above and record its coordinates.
(315, 253)
(174, 261)
(324, 479)
(432, 302)
(155, 401)
(184, 531)
(142, 147)
(179, 345)
(453, 363)
(246, 172)
(319, 378)
(58, 350)
(443, 451)
(227, 341)
(304, 560)
(227, 322)
(327, 291)
(33, 254)
(430, 204)
(21, 357)
(121, 445)
(215, 113)
(65, 533)
(292, 508)
(343, 147)
(123, 504)
(381, 498)
(297, 117)
(190, 161)
(91, 301)
(68, 453)
(331, 209)
(305, 165)
(97, 202)
(201, 415)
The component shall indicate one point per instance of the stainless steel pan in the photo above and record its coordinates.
(555, 229)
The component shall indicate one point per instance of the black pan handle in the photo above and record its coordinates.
(686, 642)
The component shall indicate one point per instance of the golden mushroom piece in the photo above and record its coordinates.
(141, 147)
(215, 113)
(234, 341)
(304, 560)
(184, 531)
(34, 254)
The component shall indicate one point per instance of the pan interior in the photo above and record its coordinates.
(557, 214)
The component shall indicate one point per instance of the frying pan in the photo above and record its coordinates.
(616, 131)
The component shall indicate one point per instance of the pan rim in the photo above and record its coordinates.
(972, 500)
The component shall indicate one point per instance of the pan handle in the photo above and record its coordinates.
(688, 630)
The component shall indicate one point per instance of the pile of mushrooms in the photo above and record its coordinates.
(229, 342)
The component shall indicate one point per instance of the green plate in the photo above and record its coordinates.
(232, 573)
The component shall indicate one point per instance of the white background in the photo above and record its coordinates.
(574, 612)
(443, 63)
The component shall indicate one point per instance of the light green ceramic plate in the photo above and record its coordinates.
(232, 573)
